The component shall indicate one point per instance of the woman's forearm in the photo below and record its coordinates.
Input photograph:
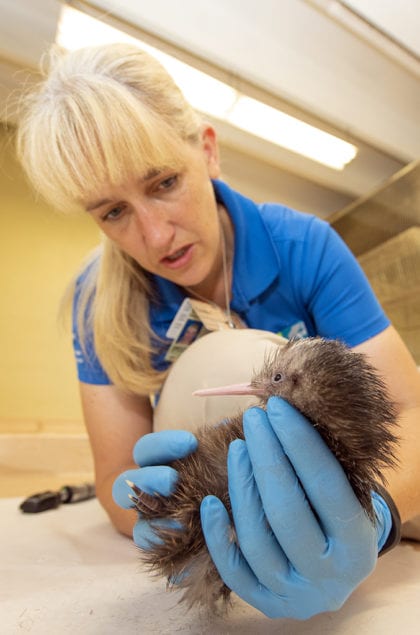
(122, 519)
(403, 482)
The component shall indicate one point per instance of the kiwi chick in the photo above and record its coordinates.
(345, 400)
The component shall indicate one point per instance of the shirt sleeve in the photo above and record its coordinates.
(89, 368)
(337, 292)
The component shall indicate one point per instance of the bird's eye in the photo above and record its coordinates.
(277, 377)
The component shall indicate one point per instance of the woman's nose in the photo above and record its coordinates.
(156, 227)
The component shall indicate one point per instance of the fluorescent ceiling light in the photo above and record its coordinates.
(291, 133)
(215, 98)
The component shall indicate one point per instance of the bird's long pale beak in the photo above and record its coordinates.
(232, 389)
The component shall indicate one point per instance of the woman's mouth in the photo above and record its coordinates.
(178, 258)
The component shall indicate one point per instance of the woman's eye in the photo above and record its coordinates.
(166, 184)
(113, 214)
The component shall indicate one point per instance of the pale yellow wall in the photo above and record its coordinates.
(39, 252)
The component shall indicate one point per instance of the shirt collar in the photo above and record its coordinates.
(166, 300)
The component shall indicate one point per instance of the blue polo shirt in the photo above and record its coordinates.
(292, 275)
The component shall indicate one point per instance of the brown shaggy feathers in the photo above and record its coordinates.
(345, 400)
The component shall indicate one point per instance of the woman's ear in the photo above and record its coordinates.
(211, 150)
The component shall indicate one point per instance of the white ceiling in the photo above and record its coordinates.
(314, 58)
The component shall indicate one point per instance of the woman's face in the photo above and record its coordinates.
(167, 220)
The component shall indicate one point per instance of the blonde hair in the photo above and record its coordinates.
(103, 115)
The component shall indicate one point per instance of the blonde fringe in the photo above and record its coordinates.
(97, 105)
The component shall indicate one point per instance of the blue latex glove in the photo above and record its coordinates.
(151, 452)
(314, 554)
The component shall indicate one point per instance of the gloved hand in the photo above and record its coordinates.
(313, 554)
(151, 452)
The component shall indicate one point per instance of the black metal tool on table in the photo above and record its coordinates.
(67, 494)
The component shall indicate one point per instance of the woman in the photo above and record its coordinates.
(110, 133)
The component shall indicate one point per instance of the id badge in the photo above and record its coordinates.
(194, 319)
